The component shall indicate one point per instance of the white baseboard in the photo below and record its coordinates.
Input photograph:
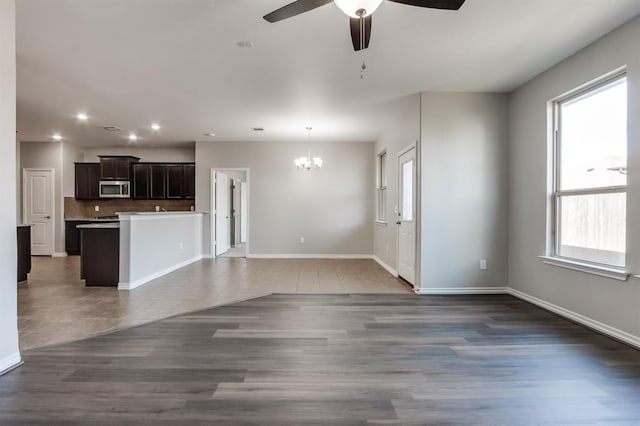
(59, 254)
(461, 290)
(141, 281)
(307, 256)
(9, 363)
(385, 266)
(623, 336)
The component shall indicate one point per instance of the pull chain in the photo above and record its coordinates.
(362, 44)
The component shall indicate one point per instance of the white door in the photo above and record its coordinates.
(236, 211)
(222, 213)
(38, 199)
(243, 212)
(407, 216)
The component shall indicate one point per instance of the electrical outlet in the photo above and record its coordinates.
(387, 247)
(157, 208)
(301, 240)
(483, 264)
(181, 246)
(97, 208)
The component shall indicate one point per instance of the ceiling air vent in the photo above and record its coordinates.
(112, 129)
(258, 129)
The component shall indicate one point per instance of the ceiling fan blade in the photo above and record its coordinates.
(293, 9)
(360, 35)
(434, 4)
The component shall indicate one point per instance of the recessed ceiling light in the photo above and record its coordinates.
(210, 134)
(258, 129)
(57, 137)
(133, 137)
(82, 116)
(245, 43)
(155, 126)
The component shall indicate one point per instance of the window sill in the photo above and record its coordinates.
(381, 223)
(603, 271)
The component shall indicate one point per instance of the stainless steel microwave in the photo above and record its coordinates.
(115, 189)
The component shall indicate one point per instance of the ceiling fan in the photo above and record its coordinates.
(359, 12)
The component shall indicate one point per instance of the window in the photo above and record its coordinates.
(382, 187)
(590, 182)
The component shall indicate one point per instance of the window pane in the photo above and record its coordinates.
(382, 204)
(592, 228)
(382, 179)
(593, 138)
(407, 191)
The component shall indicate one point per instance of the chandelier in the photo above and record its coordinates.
(308, 163)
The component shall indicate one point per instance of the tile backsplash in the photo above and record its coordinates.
(80, 209)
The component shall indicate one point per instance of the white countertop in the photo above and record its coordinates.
(112, 225)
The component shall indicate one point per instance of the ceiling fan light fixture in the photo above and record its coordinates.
(353, 8)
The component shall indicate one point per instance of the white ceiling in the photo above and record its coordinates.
(128, 63)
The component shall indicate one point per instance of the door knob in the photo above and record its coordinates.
(47, 217)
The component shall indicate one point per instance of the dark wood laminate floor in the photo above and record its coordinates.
(335, 359)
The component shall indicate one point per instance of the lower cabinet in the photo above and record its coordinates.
(72, 236)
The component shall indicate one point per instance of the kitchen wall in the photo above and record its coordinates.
(331, 208)
(184, 154)
(71, 154)
(464, 186)
(404, 129)
(9, 350)
(83, 209)
(594, 298)
(47, 155)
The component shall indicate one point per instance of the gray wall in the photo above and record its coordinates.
(156, 154)
(464, 190)
(403, 129)
(611, 302)
(71, 154)
(47, 155)
(332, 207)
(9, 350)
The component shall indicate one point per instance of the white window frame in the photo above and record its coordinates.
(554, 258)
(382, 167)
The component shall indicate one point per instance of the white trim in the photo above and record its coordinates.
(385, 266)
(212, 204)
(132, 217)
(603, 271)
(10, 362)
(461, 290)
(307, 256)
(59, 254)
(581, 319)
(137, 283)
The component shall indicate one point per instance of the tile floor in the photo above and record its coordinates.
(54, 306)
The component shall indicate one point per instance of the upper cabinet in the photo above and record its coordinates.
(116, 167)
(189, 175)
(163, 181)
(87, 181)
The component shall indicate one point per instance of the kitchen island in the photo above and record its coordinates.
(153, 244)
(100, 254)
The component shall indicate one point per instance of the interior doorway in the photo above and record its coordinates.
(407, 208)
(38, 195)
(230, 189)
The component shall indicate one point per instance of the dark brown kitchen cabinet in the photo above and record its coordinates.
(141, 181)
(175, 181)
(189, 189)
(24, 251)
(87, 181)
(116, 167)
(158, 181)
(163, 181)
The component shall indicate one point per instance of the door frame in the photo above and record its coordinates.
(418, 238)
(212, 205)
(54, 225)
